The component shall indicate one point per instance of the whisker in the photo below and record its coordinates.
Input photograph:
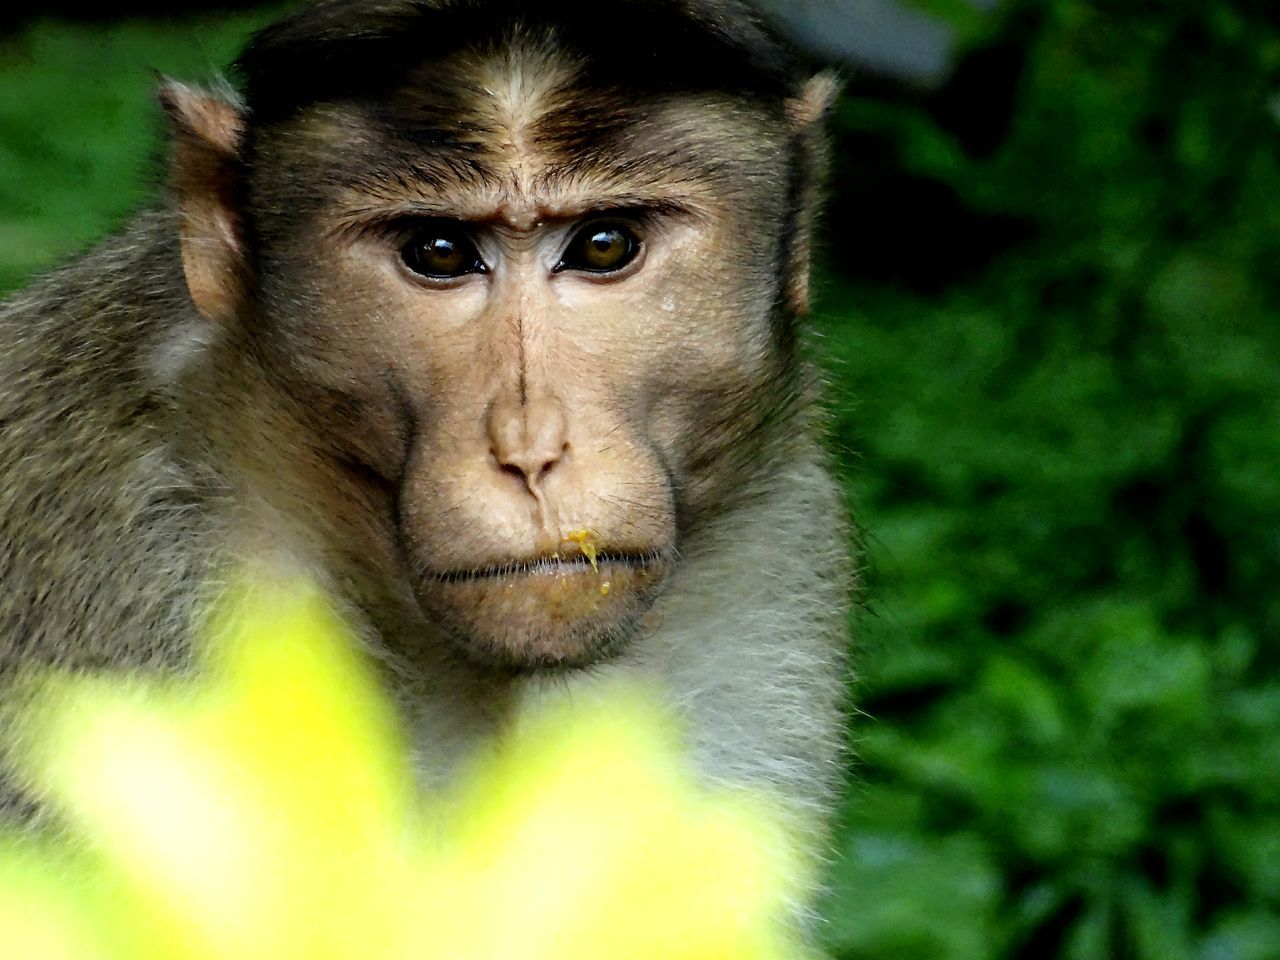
(550, 565)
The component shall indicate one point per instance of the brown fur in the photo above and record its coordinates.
(254, 375)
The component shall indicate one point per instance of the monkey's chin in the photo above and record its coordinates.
(547, 615)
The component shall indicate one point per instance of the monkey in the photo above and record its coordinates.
(490, 316)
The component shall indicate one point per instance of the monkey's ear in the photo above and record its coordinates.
(205, 177)
(806, 115)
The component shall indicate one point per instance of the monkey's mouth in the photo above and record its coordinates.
(555, 565)
(546, 611)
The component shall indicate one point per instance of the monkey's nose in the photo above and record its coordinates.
(528, 439)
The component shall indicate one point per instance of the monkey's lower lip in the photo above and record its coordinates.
(550, 566)
(544, 612)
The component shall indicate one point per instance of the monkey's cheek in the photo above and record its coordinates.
(572, 617)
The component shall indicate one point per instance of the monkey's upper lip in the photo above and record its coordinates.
(549, 564)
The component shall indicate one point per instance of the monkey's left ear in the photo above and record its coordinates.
(806, 116)
(205, 175)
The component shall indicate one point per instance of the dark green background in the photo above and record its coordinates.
(1049, 309)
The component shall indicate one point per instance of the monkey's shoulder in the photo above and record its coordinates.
(97, 514)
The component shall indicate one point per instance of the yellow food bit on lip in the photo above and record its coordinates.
(605, 588)
(585, 539)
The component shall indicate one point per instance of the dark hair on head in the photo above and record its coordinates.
(350, 49)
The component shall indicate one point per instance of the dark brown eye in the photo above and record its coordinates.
(600, 248)
(442, 252)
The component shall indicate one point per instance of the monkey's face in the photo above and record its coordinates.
(554, 353)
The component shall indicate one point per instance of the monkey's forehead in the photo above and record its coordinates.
(517, 150)
(636, 50)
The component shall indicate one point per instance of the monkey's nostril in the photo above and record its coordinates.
(546, 468)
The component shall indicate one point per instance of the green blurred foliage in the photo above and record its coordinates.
(1048, 314)
(1068, 473)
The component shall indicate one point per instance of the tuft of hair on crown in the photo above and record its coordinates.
(340, 50)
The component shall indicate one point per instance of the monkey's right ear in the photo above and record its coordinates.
(205, 175)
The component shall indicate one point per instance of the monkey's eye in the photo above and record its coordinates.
(600, 248)
(442, 252)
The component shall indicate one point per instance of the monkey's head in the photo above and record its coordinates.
(527, 278)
